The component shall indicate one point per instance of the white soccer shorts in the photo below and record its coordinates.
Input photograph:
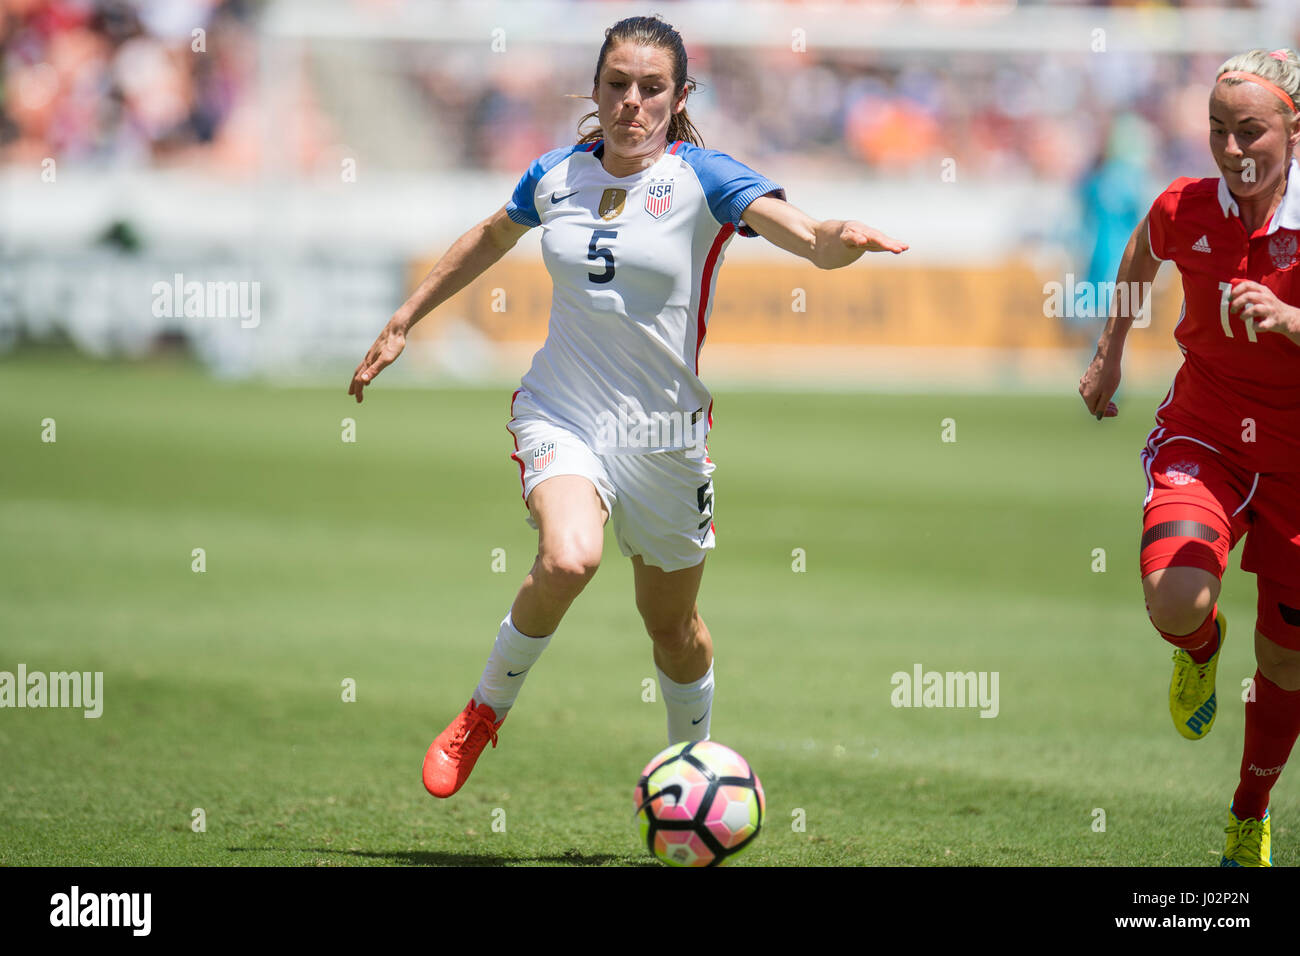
(661, 503)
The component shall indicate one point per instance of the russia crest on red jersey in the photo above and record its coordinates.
(1282, 247)
(659, 197)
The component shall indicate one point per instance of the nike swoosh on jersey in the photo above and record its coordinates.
(555, 199)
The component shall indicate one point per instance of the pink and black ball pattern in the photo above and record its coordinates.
(699, 804)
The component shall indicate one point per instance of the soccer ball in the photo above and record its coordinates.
(698, 804)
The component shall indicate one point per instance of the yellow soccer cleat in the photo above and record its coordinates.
(1248, 842)
(1192, 702)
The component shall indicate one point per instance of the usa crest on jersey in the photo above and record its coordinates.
(659, 197)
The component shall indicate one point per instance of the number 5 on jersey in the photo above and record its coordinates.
(1224, 316)
(594, 251)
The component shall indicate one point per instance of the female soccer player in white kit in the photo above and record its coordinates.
(610, 420)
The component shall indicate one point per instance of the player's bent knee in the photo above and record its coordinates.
(1280, 665)
(1180, 599)
(672, 636)
(1176, 617)
(566, 571)
(669, 636)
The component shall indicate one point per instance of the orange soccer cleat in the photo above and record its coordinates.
(452, 755)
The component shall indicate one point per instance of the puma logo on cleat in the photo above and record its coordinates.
(1204, 714)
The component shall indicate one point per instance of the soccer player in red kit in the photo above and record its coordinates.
(1223, 461)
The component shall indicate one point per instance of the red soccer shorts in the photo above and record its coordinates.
(1199, 506)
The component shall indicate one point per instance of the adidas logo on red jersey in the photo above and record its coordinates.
(1202, 244)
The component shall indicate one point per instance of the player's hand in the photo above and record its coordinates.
(857, 235)
(1258, 303)
(1099, 383)
(382, 354)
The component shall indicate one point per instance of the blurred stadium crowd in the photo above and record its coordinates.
(114, 82)
(117, 82)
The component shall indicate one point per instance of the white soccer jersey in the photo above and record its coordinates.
(634, 260)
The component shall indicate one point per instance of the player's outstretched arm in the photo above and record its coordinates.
(1101, 379)
(468, 258)
(830, 244)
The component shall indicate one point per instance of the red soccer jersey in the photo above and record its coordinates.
(1232, 374)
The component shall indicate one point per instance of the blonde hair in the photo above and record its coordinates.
(1279, 67)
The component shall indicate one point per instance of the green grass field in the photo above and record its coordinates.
(372, 560)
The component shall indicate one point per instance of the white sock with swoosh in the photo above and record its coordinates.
(513, 654)
(690, 706)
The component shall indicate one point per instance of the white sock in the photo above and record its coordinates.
(512, 655)
(690, 706)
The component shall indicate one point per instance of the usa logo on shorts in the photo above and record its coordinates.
(544, 456)
(659, 197)
(1182, 472)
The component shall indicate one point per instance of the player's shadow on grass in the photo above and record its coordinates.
(426, 858)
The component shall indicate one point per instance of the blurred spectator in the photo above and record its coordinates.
(118, 82)
(1113, 200)
(859, 112)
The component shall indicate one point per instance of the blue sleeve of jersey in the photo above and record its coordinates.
(521, 208)
(729, 185)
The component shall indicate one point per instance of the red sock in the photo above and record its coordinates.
(1202, 642)
(1272, 724)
